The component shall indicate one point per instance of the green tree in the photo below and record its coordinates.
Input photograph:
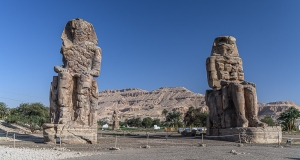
(32, 114)
(147, 122)
(190, 117)
(4, 111)
(268, 120)
(194, 117)
(288, 118)
(129, 122)
(13, 116)
(174, 118)
(156, 121)
(202, 117)
(101, 122)
(123, 124)
(165, 124)
(134, 122)
(137, 122)
(165, 113)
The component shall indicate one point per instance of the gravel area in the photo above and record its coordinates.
(38, 153)
(198, 153)
(131, 147)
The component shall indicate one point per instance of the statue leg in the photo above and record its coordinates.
(237, 92)
(251, 107)
(64, 89)
(94, 104)
(53, 100)
(84, 84)
(65, 83)
(225, 119)
(211, 98)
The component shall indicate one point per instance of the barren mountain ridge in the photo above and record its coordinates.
(134, 102)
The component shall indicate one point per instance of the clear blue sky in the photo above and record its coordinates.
(148, 44)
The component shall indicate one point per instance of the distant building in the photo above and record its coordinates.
(156, 127)
(105, 126)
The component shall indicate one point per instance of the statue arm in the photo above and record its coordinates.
(212, 74)
(96, 62)
(249, 83)
(241, 78)
(59, 69)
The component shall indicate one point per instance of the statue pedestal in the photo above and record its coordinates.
(69, 134)
(247, 135)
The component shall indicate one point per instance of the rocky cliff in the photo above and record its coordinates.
(134, 102)
(274, 109)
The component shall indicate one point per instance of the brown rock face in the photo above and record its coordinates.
(233, 101)
(74, 92)
(274, 109)
(134, 102)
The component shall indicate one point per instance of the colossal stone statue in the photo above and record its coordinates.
(74, 92)
(232, 101)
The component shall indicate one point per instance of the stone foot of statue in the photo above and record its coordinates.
(257, 123)
(242, 122)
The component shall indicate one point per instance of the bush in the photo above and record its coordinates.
(32, 114)
(268, 120)
(147, 122)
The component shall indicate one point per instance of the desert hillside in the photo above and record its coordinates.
(274, 109)
(133, 102)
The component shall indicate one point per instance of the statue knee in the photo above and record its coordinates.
(64, 75)
(249, 89)
(236, 87)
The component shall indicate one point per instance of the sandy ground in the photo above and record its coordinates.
(131, 147)
(198, 153)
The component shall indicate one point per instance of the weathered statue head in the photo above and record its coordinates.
(79, 50)
(225, 46)
(224, 63)
(78, 30)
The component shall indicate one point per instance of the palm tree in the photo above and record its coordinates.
(174, 118)
(165, 112)
(288, 117)
(194, 117)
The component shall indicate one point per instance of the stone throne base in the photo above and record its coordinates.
(247, 135)
(69, 134)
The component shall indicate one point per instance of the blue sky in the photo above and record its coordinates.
(150, 44)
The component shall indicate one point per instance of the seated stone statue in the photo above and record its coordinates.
(233, 101)
(74, 92)
(77, 92)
